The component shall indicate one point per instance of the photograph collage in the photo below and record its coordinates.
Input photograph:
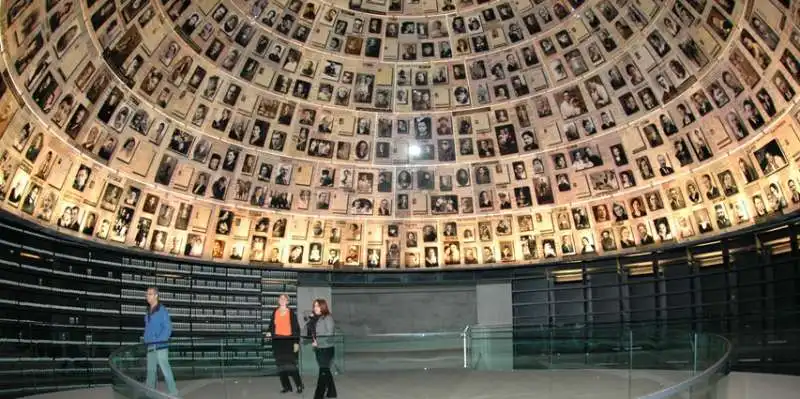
(400, 133)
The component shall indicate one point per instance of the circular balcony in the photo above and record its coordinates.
(486, 362)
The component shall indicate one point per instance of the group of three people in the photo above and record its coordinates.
(284, 333)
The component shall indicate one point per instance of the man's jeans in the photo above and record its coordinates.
(160, 358)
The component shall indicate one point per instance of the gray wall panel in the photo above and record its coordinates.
(494, 304)
(386, 310)
(306, 296)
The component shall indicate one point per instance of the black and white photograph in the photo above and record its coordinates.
(770, 157)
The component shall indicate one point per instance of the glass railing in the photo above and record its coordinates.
(632, 362)
(38, 357)
(495, 361)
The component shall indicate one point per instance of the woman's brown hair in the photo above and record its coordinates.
(323, 307)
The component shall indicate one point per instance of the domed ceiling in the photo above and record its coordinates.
(398, 133)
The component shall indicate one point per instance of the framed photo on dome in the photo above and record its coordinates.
(694, 52)
(603, 181)
(296, 254)
(218, 249)
(315, 251)
(770, 157)
(576, 62)
(444, 204)
(237, 250)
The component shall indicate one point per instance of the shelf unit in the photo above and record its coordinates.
(65, 307)
(745, 286)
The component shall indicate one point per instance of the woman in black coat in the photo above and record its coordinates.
(284, 330)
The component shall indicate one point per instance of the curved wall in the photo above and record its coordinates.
(478, 134)
(66, 305)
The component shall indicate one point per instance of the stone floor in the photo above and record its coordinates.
(434, 384)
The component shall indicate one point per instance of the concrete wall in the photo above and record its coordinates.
(494, 304)
(370, 311)
(306, 296)
(389, 310)
(305, 301)
(493, 349)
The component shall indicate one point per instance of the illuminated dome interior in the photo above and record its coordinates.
(400, 133)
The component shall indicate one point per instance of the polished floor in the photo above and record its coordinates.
(477, 385)
(452, 384)
(466, 384)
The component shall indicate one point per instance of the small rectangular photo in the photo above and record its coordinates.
(444, 204)
(770, 157)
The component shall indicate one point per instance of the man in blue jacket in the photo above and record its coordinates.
(157, 330)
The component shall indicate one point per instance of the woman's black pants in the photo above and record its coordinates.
(286, 360)
(325, 385)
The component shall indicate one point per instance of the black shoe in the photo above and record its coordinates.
(284, 390)
(300, 389)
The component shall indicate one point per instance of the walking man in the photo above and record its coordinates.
(157, 330)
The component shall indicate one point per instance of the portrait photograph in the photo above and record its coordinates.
(444, 204)
(770, 157)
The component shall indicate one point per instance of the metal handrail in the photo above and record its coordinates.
(412, 334)
(694, 380)
(466, 334)
(662, 394)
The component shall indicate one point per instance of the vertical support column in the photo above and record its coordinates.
(305, 301)
(493, 350)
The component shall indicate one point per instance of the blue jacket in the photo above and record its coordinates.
(157, 327)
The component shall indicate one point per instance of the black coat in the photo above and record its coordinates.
(311, 327)
(283, 346)
(295, 337)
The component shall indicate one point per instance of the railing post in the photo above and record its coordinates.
(630, 361)
(694, 353)
(550, 348)
(222, 360)
(466, 344)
